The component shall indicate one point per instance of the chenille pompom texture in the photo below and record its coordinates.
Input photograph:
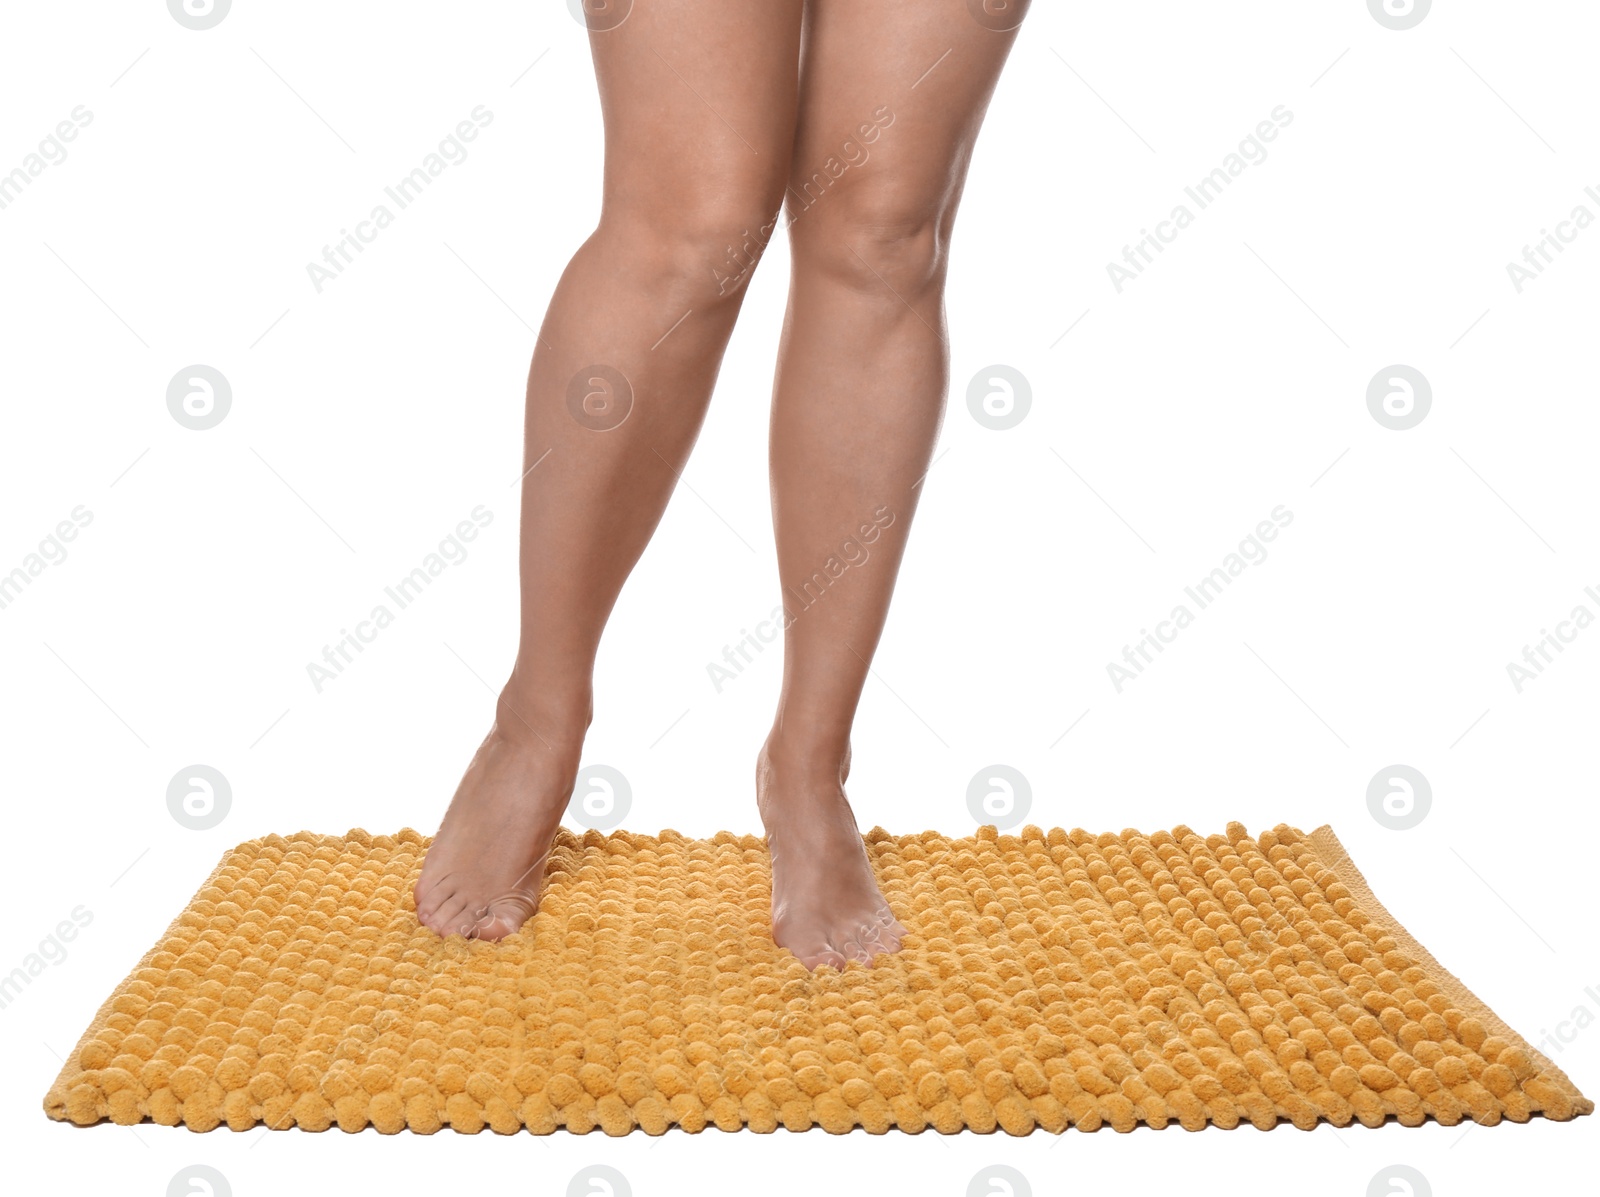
(1049, 979)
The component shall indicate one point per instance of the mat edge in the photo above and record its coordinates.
(55, 1099)
(1336, 857)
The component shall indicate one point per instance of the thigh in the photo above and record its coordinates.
(892, 94)
(699, 99)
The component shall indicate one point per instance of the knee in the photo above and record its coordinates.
(702, 247)
(874, 238)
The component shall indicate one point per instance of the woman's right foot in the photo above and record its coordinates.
(482, 874)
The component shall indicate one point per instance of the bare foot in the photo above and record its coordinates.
(483, 872)
(826, 906)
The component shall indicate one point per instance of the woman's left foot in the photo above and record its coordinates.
(826, 905)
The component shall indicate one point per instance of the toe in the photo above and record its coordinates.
(814, 957)
(875, 937)
(828, 957)
(431, 897)
(887, 922)
(452, 917)
(881, 943)
(857, 949)
(505, 916)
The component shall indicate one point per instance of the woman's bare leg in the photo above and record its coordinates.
(699, 103)
(895, 90)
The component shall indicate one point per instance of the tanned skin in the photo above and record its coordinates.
(722, 119)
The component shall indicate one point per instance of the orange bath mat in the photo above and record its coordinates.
(1049, 980)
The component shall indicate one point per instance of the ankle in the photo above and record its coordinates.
(805, 758)
(525, 718)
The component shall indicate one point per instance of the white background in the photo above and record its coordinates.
(1229, 378)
